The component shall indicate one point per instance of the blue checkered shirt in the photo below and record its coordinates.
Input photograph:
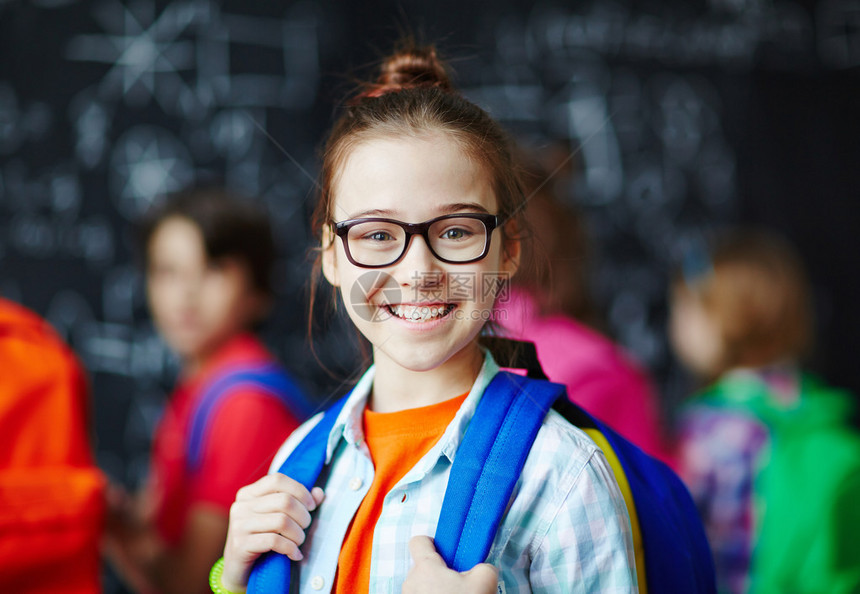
(567, 528)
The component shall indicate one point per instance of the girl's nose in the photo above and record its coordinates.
(418, 263)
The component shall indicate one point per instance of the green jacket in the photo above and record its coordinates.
(807, 492)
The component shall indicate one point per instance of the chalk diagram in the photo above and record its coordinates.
(173, 91)
(184, 61)
(654, 167)
(147, 162)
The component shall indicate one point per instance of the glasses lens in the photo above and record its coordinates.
(458, 239)
(375, 243)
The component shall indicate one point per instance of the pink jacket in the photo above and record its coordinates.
(599, 376)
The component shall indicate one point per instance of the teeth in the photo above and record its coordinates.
(419, 313)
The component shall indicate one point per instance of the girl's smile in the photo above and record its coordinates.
(420, 313)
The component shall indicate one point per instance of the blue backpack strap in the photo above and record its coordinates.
(490, 460)
(271, 572)
(488, 464)
(268, 378)
(677, 555)
(485, 472)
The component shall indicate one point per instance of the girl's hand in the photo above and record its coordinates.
(430, 575)
(269, 515)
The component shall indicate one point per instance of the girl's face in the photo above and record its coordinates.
(419, 312)
(197, 304)
(695, 335)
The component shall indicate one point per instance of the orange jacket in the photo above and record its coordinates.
(51, 493)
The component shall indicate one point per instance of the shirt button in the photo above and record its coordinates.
(317, 582)
(355, 483)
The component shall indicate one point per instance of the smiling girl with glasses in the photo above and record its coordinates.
(418, 183)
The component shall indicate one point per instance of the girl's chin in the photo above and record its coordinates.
(425, 358)
(191, 349)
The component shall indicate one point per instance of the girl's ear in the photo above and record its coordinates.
(512, 250)
(329, 262)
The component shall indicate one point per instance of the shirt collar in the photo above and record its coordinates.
(348, 425)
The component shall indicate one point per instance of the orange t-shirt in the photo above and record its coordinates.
(397, 441)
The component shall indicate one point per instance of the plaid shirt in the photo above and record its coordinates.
(720, 452)
(567, 529)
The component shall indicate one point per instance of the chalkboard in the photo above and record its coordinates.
(681, 117)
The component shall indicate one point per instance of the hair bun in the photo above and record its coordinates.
(409, 68)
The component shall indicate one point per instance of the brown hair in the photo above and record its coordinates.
(556, 270)
(231, 226)
(758, 293)
(413, 96)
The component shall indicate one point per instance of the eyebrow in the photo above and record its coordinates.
(446, 209)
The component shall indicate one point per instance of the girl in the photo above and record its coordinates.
(418, 217)
(766, 450)
(549, 305)
(208, 257)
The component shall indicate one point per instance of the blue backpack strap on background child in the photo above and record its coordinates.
(488, 465)
(271, 572)
(268, 378)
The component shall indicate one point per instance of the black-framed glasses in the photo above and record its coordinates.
(455, 239)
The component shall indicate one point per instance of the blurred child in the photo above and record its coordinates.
(766, 448)
(549, 305)
(52, 502)
(418, 192)
(208, 260)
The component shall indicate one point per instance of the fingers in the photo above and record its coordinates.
(422, 549)
(276, 523)
(241, 552)
(484, 576)
(280, 503)
(268, 515)
(257, 544)
(278, 483)
(271, 514)
(430, 574)
(278, 513)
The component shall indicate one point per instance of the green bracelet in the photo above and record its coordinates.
(215, 579)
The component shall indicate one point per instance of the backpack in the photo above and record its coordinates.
(810, 546)
(670, 540)
(266, 377)
(52, 505)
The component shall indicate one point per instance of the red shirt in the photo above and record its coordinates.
(243, 434)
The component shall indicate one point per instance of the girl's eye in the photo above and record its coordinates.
(456, 233)
(378, 236)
